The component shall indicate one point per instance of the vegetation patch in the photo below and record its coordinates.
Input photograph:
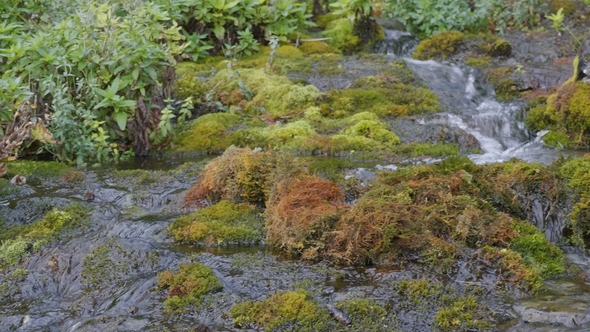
(188, 285)
(444, 308)
(220, 224)
(18, 242)
(441, 45)
(37, 169)
(242, 175)
(504, 86)
(294, 309)
(343, 37)
(300, 212)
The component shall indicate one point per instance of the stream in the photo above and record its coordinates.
(127, 240)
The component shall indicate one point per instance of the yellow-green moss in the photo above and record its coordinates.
(322, 21)
(477, 62)
(537, 251)
(504, 86)
(512, 266)
(318, 48)
(454, 312)
(400, 99)
(277, 95)
(202, 67)
(221, 223)
(294, 309)
(499, 47)
(189, 85)
(343, 37)
(576, 172)
(19, 241)
(441, 45)
(365, 135)
(188, 285)
(37, 169)
(208, 133)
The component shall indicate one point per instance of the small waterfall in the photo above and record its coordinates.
(471, 105)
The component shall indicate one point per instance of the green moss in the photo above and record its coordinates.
(221, 223)
(441, 45)
(556, 139)
(188, 285)
(322, 21)
(294, 309)
(477, 62)
(318, 48)
(504, 86)
(277, 95)
(367, 315)
(20, 241)
(537, 251)
(373, 130)
(400, 100)
(569, 6)
(343, 37)
(202, 67)
(537, 118)
(289, 51)
(189, 86)
(37, 169)
(212, 132)
(454, 312)
(576, 173)
(499, 47)
(427, 149)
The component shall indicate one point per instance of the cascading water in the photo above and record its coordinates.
(471, 105)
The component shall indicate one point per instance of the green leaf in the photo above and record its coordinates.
(121, 118)
(219, 31)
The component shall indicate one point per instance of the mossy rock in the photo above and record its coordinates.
(189, 85)
(37, 170)
(295, 309)
(439, 46)
(500, 47)
(219, 224)
(188, 285)
(322, 21)
(505, 86)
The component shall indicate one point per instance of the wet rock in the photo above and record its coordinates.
(583, 72)
(18, 180)
(363, 175)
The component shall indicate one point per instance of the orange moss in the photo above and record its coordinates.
(241, 175)
(299, 206)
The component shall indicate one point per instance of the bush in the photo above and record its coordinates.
(425, 17)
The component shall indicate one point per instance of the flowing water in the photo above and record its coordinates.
(126, 239)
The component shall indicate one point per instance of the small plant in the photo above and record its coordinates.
(557, 24)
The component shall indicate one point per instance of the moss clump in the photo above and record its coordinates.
(20, 241)
(37, 169)
(427, 149)
(343, 37)
(511, 265)
(576, 173)
(222, 223)
(444, 308)
(322, 21)
(188, 285)
(566, 115)
(189, 85)
(300, 211)
(537, 251)
(242, 175)
(504, 86)
(318, 48)
(499, 47)
(401, 99)
(569, 6)
(365, 135)
(367, 315)
(212, 132)
(277, 95)
(294, 309)
(441, 45)
(477, 62)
